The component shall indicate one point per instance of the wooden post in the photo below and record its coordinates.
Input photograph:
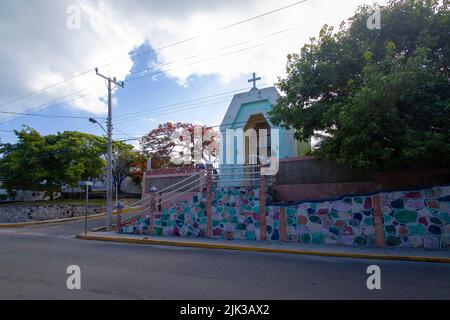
(209, 199)
(262, 207)
(283, 226)
(378, 221)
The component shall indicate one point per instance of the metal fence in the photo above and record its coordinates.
(312, 171)
(161, 182)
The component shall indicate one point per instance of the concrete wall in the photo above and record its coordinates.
(318, 191)
(306, 178)
(412, 178)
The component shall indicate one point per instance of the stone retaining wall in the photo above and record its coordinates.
(24, 213)
(348, 221)
(418, 219)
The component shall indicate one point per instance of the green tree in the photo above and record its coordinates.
(124, 156)
(73, 156)
(376, 99)
(45, 163)
(21, 165)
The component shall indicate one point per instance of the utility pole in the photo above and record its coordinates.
(109, 154)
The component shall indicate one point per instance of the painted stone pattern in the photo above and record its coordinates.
(419, 219)
(348, 221)
(235, 214)
(186, 219)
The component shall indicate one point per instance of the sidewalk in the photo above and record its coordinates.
(405, 254)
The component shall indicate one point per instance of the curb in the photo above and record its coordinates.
(53, 221)
(262, 249)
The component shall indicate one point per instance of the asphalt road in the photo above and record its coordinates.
(33, 264)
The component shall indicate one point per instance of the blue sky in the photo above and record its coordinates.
(110, 33)
(143, 104)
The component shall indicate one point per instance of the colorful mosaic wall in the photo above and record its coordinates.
(186, 219)
(348, 221)
(419, 219)
(235, 214)
(141, 226)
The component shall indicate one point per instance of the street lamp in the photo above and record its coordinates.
(96, 122)
(108, 178)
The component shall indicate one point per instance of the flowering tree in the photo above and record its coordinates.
(171, 141)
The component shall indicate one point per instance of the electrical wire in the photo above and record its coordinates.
(152, 51)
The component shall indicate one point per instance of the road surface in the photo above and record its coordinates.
(33, 263)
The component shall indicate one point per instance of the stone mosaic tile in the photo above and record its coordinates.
(419, 219)
(348, 221)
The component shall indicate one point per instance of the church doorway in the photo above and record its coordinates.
(257, 142)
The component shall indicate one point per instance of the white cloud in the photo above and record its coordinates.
(149, 119)
(38, 49)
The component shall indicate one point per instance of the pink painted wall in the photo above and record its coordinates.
(323, 190)
(175, 196)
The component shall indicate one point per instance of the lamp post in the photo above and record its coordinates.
(108, 179)
(96, 122)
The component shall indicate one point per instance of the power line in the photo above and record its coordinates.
(198, 102)
(181, 103)
(44, 115)
(153, 50)
(46, 104)
(220, 97)
(208, 59)
(155, 73)
(182, 66)
(216, 30)
(44, 88)
(128, 115)
(162, 71)
(195, 107)
(207, 126)
(208, 104)
(219, 49)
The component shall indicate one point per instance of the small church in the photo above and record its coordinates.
(249, 110)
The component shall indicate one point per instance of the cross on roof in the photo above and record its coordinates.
(254, 79)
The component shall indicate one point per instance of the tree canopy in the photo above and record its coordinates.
(162, 144)
(46, 163)
(123, 162)
(376, 99)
